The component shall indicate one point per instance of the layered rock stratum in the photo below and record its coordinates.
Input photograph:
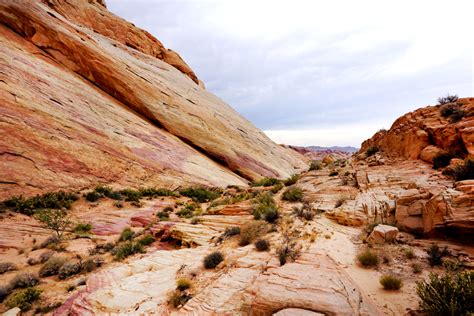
(88, 98)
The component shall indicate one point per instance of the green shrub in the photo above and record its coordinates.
(213, 259)
(126, 234)
(23, 280)
(90, 264)
(115, 195)
(293, 194)
(453, 265)
(23, 298)
(265, 182)
(287, 251)
(52, 200)
(409, 253)
(183, 284)
(417, 268)
(93, 196)
(390, 282)
(189, 210)
(270, 215)
(52, 266)
(372, 151)
(262, 245)
(276, 188)
(163, 216)
(232, 231)
(435, 255)
(315, 165)
(457, 115)
(128, 248)
(7, 266)
(441, 160)
(250, 231)
(449, 294)
(292, 180)
(200, 195)
(368, 258)
(54, 219)
(154, 192)
(447, 99)
(146, 240)
(69, 269)
(131, 195)
(82, 228)
(103, 190)
(464, 171)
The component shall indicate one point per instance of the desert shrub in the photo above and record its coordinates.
(188, 211)
(390, 282)
(183, 284)
(128, 248)
(213, 259)
(267, 212)
(333, 173)
(53, 200)
(199, 194)
(276, 188)
(449, 294)
(448, 99)
(146, 240)
(23, 280)
(457, 115)
(118, 204)
(131, 195)
(368, 258)
(232, 231)
(115, 195)
(45, 256)
(435, 255)
(372, 151)
(453, 265)
(93, 196)
(441, 160)
(47, 308)
(90, 264)
(23, 298)
(154, 192)
(262, 245)
(304, 212)
(52, 240)
(69, 269)
(287, 251)
(250, 231)
(291, 180)
(7, 266)
(293, 194)
(409, 253)
(54, 219)
(178, 298)
(82, 228)
(195, 220)
(163, 216)
(464, 171)
(52, 266)
(315, 165)
(103, 190)
(126, 234)
(265, 182)
(417, 268)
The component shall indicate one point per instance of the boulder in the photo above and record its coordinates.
(383, 233)
(430, 152)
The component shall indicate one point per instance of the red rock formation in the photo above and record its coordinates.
(89, 98)
(425, 132)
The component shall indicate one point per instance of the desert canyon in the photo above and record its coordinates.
(169, 202)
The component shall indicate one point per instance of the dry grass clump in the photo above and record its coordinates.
(262, 245)
(252, 230)
(391, 282)
(213, 259)
(368, 258)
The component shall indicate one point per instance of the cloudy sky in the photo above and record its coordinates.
(318, 72)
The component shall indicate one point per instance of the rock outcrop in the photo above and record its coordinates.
(88, 98)
(424, 133)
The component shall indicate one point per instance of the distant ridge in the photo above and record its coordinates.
(348, 149)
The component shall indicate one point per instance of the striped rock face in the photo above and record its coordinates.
(89, 98)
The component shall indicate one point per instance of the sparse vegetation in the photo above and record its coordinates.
(304, 212)
(435, 255)
(183, 284)
(449, 294)
(82, 228)
(262, 245)
(125, 249)
(252, 230)
(266, 208)
(368, 258)
(265, 182)
(50, 200)
(23, 299)
(146, 240)
(232, 231)
(391, 282)
(409, 253)
(92, 196)
(189, 210)
(448, 99)
(293, 194)
(52, 266)
(372, 151)
(199, 194)
(23, 280)
(178, 298)
(291, 180)
(416, 267)
(441, 160)
(69, 269)
(276, 188)
(126, 234)
(55, 220)
(7, 266)
(315, 165)
(163, 216)
(213, 259)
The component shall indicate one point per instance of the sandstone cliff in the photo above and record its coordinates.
(89, 98)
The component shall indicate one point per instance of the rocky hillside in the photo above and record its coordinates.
(89, 98)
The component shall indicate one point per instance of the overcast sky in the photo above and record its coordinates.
(318, 72)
